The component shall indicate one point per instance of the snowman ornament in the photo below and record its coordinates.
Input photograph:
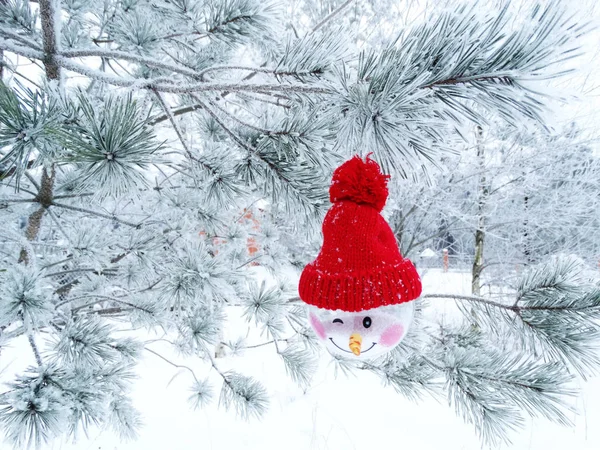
(359, 289)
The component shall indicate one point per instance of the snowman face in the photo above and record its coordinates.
(362, 335)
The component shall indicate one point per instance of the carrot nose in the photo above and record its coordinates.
(355, 343)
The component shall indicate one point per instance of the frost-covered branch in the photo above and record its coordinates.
(555, 309)
(35, 349)
(150, 62)
(96, 213)
(178, 366)
(174, 123)
(49, 17)
(175, 112)
(20, 39)
(259, 70)
(471, 298)
(331, 15)
(28, 52)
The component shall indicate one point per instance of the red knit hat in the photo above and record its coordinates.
(360, 266)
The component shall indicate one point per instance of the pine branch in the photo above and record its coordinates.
(27, 52)
(18, 200)
(225, 128)
(513, 308)
(79, 270)
(175, 113)
(80, 195)
(314, 101)
(50, 37)
(237, 87)
(246, 124)
(246, 395)
(44, 197)
(497, 78)
(33, 181)
(59, 225)
(269, 71)
(172, 88)
(555, 311)
(179, 133)
(35, 349)
(491, 389)
(150, 62)
(178, 366)
(331, 15)
(106, 298)
(174, 123)
(96, 213)
(50, 44)
(20, 39)
(266, 343)
(263, 100)
(471, 298)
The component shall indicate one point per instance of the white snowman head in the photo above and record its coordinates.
(359, 288)
(362, 335)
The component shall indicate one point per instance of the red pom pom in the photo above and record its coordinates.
(360, 182)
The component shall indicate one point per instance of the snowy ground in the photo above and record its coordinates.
(354, 412)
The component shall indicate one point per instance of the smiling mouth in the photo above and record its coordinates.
(348, 351)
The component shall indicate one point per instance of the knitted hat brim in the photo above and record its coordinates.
(360, 290)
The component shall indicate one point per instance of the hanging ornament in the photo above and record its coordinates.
(359, 288)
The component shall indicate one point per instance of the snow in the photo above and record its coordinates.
(428, 253)
(343, 412)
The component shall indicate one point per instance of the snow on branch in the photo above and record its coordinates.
(555, 311)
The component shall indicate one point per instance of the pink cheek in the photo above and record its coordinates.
(391, 335)
(317, 326)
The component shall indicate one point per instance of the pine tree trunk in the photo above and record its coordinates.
(526, 236)
(482, 195)
(478, 262)
(50, 37)
(2, 3)
(34, 222)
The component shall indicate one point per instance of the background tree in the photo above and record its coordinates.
(134, 161)
(540, 198)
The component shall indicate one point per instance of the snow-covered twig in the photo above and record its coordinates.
(263, 100)
(179, 366)
(18, 38)
(188, 88)
(108, 298)
(50, 20)
(257, 70)
(246, 124)
(27, 52)
(58, 225)
(468, 298)
(96, 213)
(34, 348)
(79, 270)
(174, 123)
(274, 341)
(333, 13)
(175, 112)
(225, 128)
(33, 181)
(116, 54)
(18, 200)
